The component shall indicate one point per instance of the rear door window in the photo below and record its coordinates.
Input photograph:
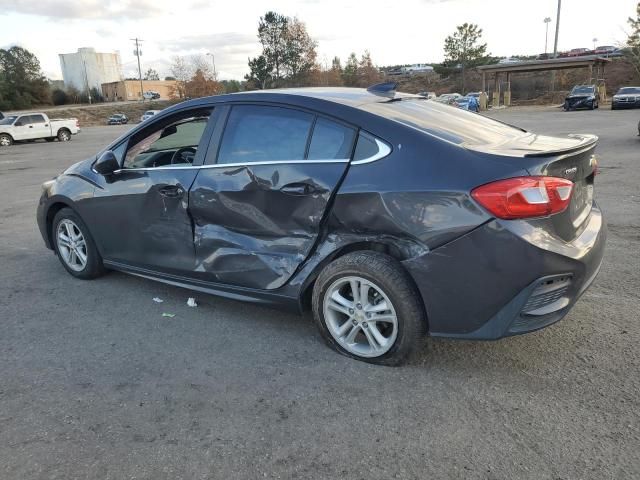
(36, 119)
(330, 141)
(256, 133)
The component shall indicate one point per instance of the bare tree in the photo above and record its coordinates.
(181, 71)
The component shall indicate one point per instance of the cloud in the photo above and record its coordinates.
(232, 42)
(84, 9)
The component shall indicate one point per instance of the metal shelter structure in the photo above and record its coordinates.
(595, 64)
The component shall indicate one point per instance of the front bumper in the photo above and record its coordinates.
(618, 104)
(501, 280)
(572, 103)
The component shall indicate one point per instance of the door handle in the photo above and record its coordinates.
(299, 189)
(30, 126)
(172, 191)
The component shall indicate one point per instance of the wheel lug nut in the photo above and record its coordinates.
(351, 311)
(354, 321)
(359, 306)
(368, 315)
(364, 324)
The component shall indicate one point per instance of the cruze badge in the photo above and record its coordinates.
(569, 172)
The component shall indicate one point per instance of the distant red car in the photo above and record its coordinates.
(576, 52)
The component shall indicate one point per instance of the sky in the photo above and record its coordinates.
(395, 32)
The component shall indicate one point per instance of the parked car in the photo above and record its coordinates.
(577, 52)
(428, 95)
(605, 50)
(148, 114)
(581, 96)
(468, 102)
(418, 68)
(33, 126)
(151, 95)
(118, 119)
(1, 115)
(448, 98)
(508, 60)
(380, 216)
(626, 97)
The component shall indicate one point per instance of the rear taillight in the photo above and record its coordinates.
(524, 197)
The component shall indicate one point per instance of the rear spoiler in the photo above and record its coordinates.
(586, 141)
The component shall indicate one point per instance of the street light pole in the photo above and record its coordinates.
(213, 62)
(546, 33)
(594, 42)
(555, 46)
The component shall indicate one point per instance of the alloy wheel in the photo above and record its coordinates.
(360, 316)
(71, 245)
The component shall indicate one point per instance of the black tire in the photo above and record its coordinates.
(566, 106)
(613, 108)
(94, 267)
(50, 139)
(64, 135)
(592, 105)
(397, 285)
(6, 140)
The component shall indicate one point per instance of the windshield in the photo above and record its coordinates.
(582, 89)
(627, 90)
(8, 120)
(150, 112)
(450, 124)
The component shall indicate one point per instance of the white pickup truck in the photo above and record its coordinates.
(31, 126)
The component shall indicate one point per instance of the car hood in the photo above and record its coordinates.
(578, 96)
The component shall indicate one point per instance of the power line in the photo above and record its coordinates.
(137, 53)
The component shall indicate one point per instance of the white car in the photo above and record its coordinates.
(148, 114)
(151, 95)
(32, 126)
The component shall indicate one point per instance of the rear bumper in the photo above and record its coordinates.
(506, 278)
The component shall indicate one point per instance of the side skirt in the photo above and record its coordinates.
(244, 294)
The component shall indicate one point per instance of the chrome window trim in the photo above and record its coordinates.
(383, 151)
(232, 165)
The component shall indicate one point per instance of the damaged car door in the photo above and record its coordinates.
(139, 213)
(258, 202)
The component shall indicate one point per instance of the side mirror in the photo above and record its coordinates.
(107, 163)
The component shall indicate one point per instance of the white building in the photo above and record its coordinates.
(86, 67)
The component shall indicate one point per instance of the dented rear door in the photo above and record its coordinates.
(258, 202)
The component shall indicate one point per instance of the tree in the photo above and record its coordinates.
(300, 50)
(272, 33)
(259, 72)
(22, 84)
(633, 42)
(58, 97)
(463, 48)
(367, 73)
(181, 71)
(350, 72)
(334, 75)
(151, 74)
(201, 86)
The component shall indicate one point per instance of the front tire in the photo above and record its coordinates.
(367, 307)
(74, 246)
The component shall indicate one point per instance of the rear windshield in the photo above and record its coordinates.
(626, 90)
(446, 122)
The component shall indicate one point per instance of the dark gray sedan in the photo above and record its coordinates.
(626, 97)
(386, 215)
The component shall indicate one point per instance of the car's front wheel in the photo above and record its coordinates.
(367, 307)
(5, 140)
(74, 245)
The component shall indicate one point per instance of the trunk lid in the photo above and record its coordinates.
(571, 158)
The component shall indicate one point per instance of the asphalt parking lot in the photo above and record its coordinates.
(96, 383)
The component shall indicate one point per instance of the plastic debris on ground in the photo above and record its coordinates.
(192, 302)
(170, 315)
(157, 300)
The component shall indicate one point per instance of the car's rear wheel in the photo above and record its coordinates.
(64, 135)
(5, 140)
(367, 307)
(74, 246)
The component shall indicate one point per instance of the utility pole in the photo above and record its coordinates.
(594, 43)
(137, 53)
(555, 47)
(546, 33)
